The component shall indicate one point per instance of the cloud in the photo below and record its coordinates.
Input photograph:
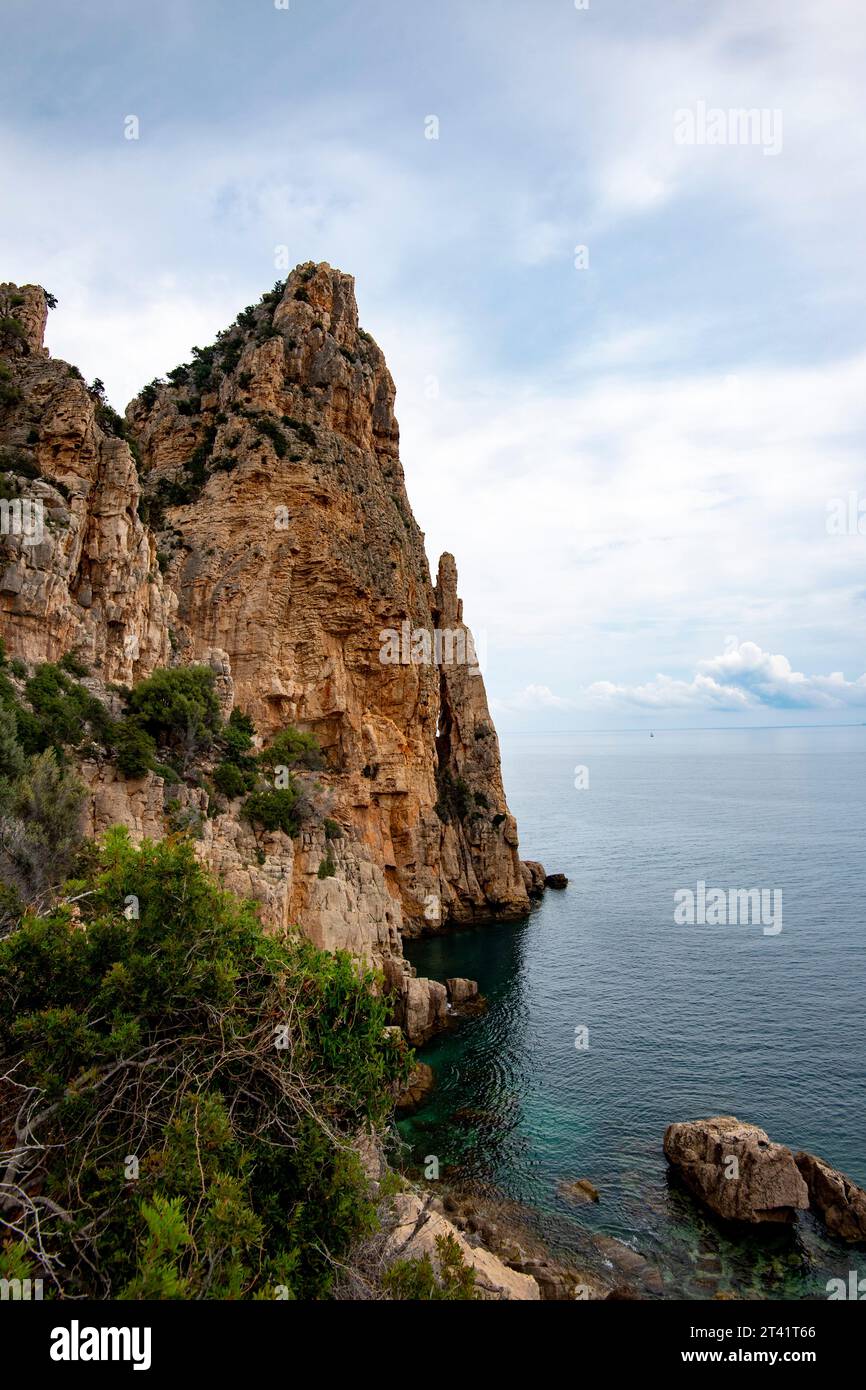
(743, 678)
(531, 697)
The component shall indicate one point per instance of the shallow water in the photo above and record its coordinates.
(683, 1021)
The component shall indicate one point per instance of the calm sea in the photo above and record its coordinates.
(683, 1020)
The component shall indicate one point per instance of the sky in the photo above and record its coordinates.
(626, 328)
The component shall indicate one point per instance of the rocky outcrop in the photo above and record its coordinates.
(422, 1009)
(418, 1225)
(272, 477)
(533, 878)
(86, 578)
(461, 991)
(580, 1190)
(556, 881)
(837, 1200)
(418, 1088)
(736, 1170)
(251, 513)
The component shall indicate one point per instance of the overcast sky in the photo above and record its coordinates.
(631, 448)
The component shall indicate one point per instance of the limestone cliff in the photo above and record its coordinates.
(251, 512)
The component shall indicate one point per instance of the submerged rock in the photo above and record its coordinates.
(736, 1170)
(837, 1200)
(582, 1190)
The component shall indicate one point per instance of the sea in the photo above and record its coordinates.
(611, 1015)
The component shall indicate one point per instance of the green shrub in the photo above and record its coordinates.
(40, 832)
(274, 810)
(73, 665)
(234, 1067)
(178, 706)
(327, 867)
(416, 1279)
(135, 749)
(333, 829)
(291, 748)
(455, 800)
(62, 712)
(230, 780)
(273, 432)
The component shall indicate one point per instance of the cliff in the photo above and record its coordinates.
(251, 513)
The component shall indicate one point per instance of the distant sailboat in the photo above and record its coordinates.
(652, 735)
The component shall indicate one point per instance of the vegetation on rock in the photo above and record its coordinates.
(187, 1089)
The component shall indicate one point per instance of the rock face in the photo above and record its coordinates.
(534, 878)
(86, 578)
(251, 513)
(838, 1201)
(764, 1183)
(277, 494)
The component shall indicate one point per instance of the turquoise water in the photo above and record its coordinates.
(683, 1021)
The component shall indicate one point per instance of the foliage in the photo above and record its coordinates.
(178, 706)
(416, 1279)
(62, 712)
(40, 832)
(291, 748)
(454, 801)
(134, 747)
(275, 809)
(230, 780)
(232, 1067)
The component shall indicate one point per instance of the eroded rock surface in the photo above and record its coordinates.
(839, 1202)
(736, 1169)
(251, 513)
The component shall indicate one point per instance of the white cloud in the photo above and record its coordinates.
(743, 678)
(532, 697)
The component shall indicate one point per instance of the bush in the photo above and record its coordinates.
(291, 748)
(237, 737)
(274, 810)
(273, 432)
(62, 712)
(327, 867)
(416, 1279)
(233, 1067)
(135, 750)
(40, 830)
(73, 665)
(178, 706)
(230, 780)
(455, 799)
